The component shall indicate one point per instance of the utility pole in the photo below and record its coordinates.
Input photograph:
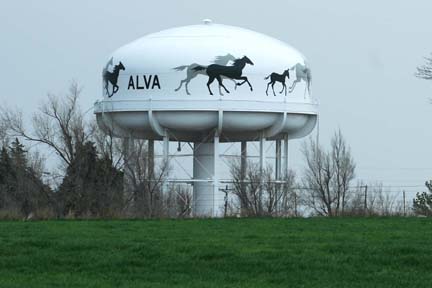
(404, 205)
(226, 191)
(365, 198)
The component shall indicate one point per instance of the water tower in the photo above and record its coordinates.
(206, 84)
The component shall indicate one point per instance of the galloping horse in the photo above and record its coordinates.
(302, 73)
(216, 71)
(112, 77)
(275, 77)
(191, 73)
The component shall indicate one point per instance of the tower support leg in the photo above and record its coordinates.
(208, 200)
(216, 209)
(165, 165)
(278, 166)
(150, 159)
(262, 158)
(285, 197)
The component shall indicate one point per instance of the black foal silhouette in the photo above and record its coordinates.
(215, 71)
(275, 77)
(112, 77)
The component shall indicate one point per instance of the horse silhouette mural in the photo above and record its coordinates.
(191, 73)
(302, 72)
(234, 72)
(112, 77)
(275, 77)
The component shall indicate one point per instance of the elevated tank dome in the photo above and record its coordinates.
(209, 76)
(206, 84)
(204, 44)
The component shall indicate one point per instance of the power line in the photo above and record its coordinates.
(395, 168)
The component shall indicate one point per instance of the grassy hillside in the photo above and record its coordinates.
(375, 252)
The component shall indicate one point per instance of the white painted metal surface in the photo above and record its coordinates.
(186, 116)
(207, 198)
(157, 88)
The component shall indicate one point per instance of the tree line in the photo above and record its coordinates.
(326, 187)
(89, 178)
(94, 177)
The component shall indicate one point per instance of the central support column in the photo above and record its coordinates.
(208, 201)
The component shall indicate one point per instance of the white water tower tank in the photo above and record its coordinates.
(206, 84)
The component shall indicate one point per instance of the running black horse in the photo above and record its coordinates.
(275, 77)
(215, 71)
(112, 77)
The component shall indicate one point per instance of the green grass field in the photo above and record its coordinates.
(316, 252)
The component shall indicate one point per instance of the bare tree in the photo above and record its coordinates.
(377, 201)
(344, 167)
(288, 206)
(317, 179)
(355, 205)
(328, 175)
(425, 71)
(178, 201)
(279, 196)
(383, 203)
(246, 186)
(3, 132)
(146, 198)
(258, 193)
(59, 124)
(107, 144)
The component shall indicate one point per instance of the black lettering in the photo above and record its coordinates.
(156, 82)
(152, 80)
(131, 83)
(147, 81)
(137, 81)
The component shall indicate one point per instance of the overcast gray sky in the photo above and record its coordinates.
(363, 55)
